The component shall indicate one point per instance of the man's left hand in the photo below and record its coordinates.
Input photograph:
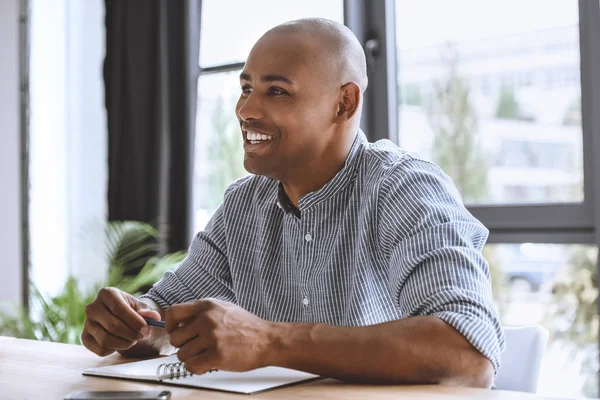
(215, 334)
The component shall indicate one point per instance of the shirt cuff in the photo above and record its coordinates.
(486, 337)
(152, 295)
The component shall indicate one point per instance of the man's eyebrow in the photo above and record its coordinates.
(268, 78)
(276, 78)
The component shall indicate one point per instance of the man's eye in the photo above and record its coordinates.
(246, 90)
(274, 91)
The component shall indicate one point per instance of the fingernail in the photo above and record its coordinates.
(145, 331)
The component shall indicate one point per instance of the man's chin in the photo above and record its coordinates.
(258, 167)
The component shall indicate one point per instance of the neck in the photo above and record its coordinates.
(313, 175)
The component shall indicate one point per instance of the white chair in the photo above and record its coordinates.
(521, 361)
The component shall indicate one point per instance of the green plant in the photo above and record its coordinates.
(225, 160)
(573, 114)
(574, 317)
(500, 289)
(454, 121)
(56, 319)
(133, 266)
(457, 150)
(575, 295)
(508, 106)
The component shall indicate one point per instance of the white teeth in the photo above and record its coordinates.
(257, 137)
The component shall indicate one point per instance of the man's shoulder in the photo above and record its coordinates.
(385, 160)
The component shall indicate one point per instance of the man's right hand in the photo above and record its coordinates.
(114, 321)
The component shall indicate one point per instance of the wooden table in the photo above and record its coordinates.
(42, 370)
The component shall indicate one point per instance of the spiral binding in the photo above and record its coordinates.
(172, 371)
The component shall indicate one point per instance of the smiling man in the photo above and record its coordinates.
(340, 257)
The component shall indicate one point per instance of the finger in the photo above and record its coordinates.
(106, 339)
(181, 312)
(99, 313)
(203, 363)
(186, 333)
(117, 306)
(90, 343)
(197, 326)
(152, 314)
(114, 325)
(180, 337)
(146, 308)
(196, 346)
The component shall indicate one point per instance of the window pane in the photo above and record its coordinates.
(219, 153)
(491, 92)
(555, 286)
(230, 27)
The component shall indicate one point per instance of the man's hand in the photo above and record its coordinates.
(114, 321)
(214, 334)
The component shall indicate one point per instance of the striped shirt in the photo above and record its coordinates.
(387, 238)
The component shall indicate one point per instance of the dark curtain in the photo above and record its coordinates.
(150, 73)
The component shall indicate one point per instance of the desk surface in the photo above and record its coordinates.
(42, 370)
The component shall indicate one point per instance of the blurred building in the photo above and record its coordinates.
(534, 155)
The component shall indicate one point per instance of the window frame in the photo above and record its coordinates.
(555, 222)
(373, 22)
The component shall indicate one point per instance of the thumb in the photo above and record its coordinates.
(149, 313)
(143, 309)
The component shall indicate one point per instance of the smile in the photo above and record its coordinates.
(257, 138)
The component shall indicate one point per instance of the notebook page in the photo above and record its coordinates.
(257, 380)
(239, 382)
(145, 369)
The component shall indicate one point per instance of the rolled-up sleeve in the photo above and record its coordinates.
(203, 273)
(433, 246)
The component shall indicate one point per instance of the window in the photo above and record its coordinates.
(244, 24)
(218, 148)
(490, 94)
(555, 286)
(500, 95)
(219, 152)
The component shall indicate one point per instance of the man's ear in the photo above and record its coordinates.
(348, 102)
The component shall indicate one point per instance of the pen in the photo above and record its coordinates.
(153, 322)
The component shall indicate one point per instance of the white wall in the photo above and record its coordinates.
(87, 141)
(68, 152)
(47, 145)
(10, 185)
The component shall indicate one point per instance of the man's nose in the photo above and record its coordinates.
(250, 108)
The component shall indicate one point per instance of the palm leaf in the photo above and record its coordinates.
(151, 272)
(131, 257)
(130, 244)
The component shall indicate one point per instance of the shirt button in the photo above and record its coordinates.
(305, 301)
(308, 237)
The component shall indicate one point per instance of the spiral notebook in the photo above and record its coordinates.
(169, 370)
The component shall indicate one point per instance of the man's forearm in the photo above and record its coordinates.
(411, 350)
(157, 343)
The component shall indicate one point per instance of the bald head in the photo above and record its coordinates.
(333, 50)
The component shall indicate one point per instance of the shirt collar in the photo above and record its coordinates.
(339, 181)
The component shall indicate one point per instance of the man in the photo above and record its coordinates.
(338, 257)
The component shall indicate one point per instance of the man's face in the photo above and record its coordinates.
(286, 108)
